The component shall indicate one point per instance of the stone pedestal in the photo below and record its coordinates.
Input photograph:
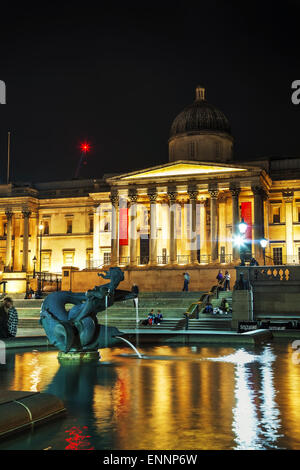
(16, 282)
(242, 307)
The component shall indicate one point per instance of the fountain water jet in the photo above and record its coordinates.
(131, 345)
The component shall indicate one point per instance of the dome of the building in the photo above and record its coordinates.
(201, 132)
(200, 116)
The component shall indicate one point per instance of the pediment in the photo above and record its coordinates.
(180, 169)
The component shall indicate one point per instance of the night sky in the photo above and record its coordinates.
(117, 76)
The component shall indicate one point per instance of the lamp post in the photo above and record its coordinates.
(41, 226)
(263, 244)
(240, 240)
(34, 263)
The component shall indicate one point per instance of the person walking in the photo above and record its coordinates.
(220, 279)
(186, 281)
(227, 281)
(8, 319)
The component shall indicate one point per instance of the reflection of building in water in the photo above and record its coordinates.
(287, 380)
(169, 404)
(230, 401)
(34, 370)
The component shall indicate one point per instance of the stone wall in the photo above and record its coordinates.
(156, 279)
(276, 289)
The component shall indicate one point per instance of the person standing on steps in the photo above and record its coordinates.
(227, 281)
(186, 281)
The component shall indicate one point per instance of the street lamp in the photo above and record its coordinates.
(263, 244)
(239, 240)
(243, 227)
(41, 226)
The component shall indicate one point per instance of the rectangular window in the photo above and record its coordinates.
(46, 261)
(89, 258)
(277, 256)
(46, 227)
(276, 215)
(91, 224)
(69, 226)
(5, 229)
(106, 258)
(106, 221)
(298, 209)
(69, 257)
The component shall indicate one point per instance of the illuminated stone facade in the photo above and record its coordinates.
(181, 213)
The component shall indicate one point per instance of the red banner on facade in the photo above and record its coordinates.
(123, 226)
(246, 214)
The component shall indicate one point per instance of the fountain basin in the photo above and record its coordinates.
(20, 410)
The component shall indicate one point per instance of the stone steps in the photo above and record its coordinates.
(29, 309)
(118, 322)
(131, 324)
(214, 324)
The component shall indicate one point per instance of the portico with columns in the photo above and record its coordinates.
(189, 221)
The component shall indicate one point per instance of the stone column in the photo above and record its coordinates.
(203, 247)
(235, 191)
(172, 194)
(152, 193)
(9, 216)
(96, 236)
(258, 222)
(289, 235)
(214, 192)
(26, 215)
(193, 193)
(114, 197)
(132, 195)
(222, 229)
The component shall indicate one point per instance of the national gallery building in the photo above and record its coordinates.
(161, 221)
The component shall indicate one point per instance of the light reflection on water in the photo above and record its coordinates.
(186, 398)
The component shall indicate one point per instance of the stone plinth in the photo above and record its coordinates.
(242, 307)
(16, 282)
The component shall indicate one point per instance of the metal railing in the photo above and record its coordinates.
(164, 259)
(183, 259)
(49, 279)
(141, 260)
(225, 258)
(161, 260)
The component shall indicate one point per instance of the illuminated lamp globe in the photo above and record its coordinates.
(243, 227)
(263, 242)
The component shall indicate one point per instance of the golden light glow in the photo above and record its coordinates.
(182, 169)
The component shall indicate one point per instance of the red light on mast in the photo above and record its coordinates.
(85, 147)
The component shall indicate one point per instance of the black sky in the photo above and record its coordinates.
(118, 75)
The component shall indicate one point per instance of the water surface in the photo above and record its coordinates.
(184, 397)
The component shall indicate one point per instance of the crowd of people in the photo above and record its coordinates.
(223, 309)
(153, 318)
